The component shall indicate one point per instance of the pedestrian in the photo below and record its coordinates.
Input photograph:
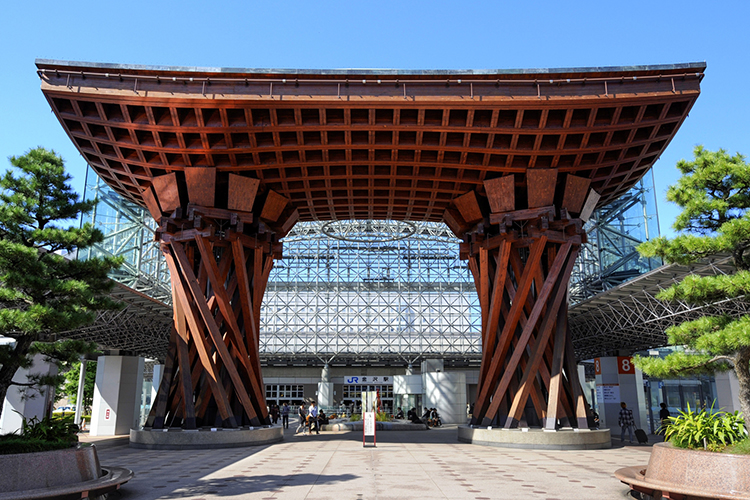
(314, 418)
(664, 417)
(275, 413)
(626, 422)
(302, 414)
(285, 415)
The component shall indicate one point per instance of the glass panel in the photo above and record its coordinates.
(672, 398)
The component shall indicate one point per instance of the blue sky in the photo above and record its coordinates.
(384, 34)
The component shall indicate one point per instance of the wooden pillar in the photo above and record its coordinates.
(522, 236)
(219, 260)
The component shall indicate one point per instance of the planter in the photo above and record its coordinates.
(700, 474)
(52, 474)
(199, 439)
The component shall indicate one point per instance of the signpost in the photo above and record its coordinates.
(369, 410)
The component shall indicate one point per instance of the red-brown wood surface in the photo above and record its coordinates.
(339, 148)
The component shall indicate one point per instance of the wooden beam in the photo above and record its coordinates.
(201, 185)
(212, 375)
(501, 193)
(540, 186)
(468, 205)
(242, 193)
(536, 313)
(167, 192)
(590, 205)
(213, 329)
(273, 206)
(556, 373)
(498, 358)
(576, 189)
(545, 330)
(233, 328)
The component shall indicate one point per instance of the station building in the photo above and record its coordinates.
(391, 305)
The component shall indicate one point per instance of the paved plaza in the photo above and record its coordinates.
(404, 465)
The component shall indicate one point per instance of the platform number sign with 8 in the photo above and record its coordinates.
(625, 365)
(597, 366)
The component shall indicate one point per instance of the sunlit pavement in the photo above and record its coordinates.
(421, 465)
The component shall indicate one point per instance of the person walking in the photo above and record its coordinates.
(275, 413)
(302, 414)
(626, 422)
(285, 416)
(314, 418)
(664, 417)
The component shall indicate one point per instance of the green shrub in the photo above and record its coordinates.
(705, 429)
(741, 448)
(40, 435)
(50, 430)
(356, 417)
(382, 417)
(13, 443)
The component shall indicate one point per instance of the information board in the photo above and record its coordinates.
(608, 393)
(369, 419)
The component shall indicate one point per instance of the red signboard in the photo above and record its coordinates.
(106, 414)
(625, 365)
(597, 366)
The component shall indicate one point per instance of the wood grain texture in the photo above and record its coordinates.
(468, 205)
(541, 185)
(201, 185)
(371, 153)
(576, 191)
(273, 206)
(242, 192)
(501, 193)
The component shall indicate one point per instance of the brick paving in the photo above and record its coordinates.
(422, 465)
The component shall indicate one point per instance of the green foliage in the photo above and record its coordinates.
(48, 429)
(356, 417)
(42, 291)
(705, 429)
(41, 435)
(382, 416)
(11, 444)
(69, 387)
(741, 448)
(714, 193)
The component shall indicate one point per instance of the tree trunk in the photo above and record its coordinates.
(742, 369)
(10, 368)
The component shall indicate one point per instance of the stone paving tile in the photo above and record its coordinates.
(404, 465)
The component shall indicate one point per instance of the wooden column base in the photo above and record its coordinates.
(212, 374)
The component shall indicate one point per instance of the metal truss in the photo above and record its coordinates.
(141, 327)
(609, 258)
(629, 318)
(368, 291)
(373, 292)
(128, 232)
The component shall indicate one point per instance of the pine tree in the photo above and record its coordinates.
(42, 290)
(714, 193)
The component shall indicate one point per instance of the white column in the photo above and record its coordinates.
(156, 381)
(325, 388)
(117, 395)
(618, 380)
(727, 391)
(79, 394)
(32, 403)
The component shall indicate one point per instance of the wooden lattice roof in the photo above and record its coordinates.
(365, 144)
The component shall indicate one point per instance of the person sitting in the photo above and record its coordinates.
(322, 418)
(399, 414)
(414, 417)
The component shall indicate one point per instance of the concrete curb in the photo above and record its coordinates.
(536, 438)
(179, 439)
